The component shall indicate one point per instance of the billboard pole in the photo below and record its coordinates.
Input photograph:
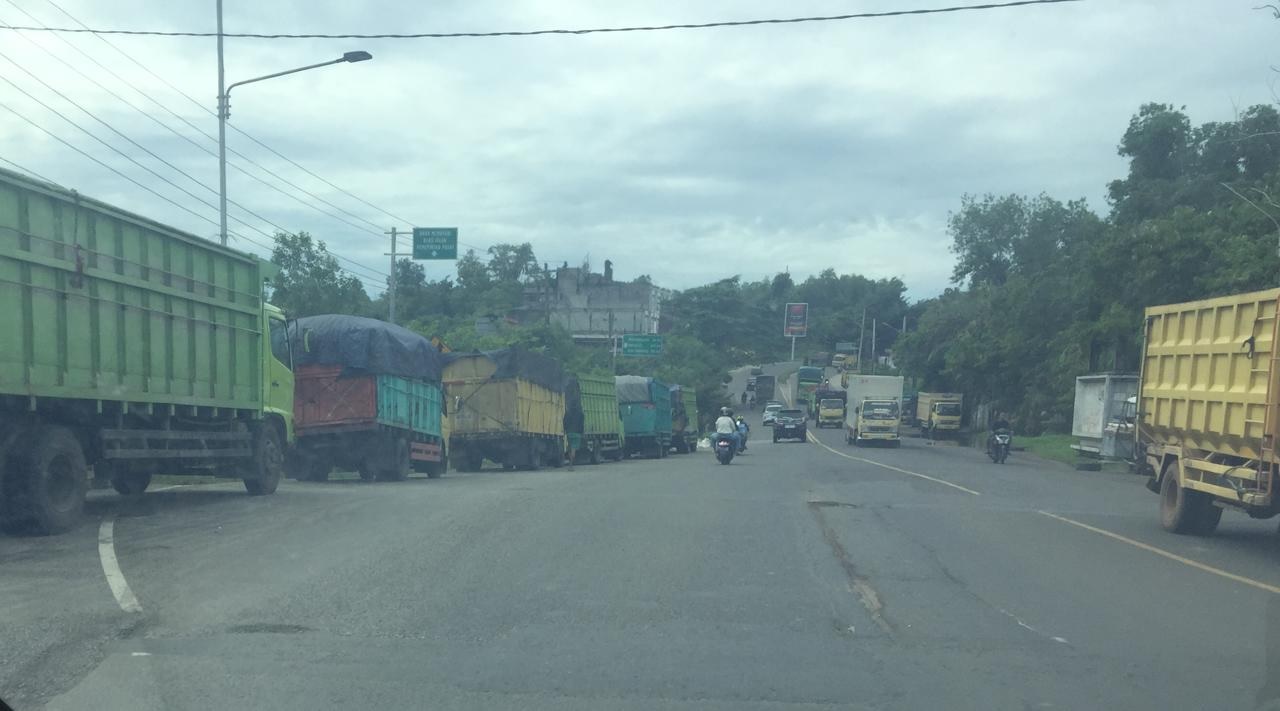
(793, 348)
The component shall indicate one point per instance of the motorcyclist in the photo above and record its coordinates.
(743, 430)
(998, 424)
(725, 425)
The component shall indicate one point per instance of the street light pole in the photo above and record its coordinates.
(224, 113)
(222, 137)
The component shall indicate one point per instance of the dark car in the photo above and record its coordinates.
(757, 371)
(789, 424)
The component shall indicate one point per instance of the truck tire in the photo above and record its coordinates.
(1185, 511)
(593, 455)
(264, 470)
(396, 462)
(126, 481)
(47, 483)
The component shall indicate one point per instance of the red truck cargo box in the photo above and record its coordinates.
(321, 399)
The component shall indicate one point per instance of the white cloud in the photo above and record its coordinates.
(687, 155)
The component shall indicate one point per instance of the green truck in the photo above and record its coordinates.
(808, 379)
(684, 419)
(597, 397)
(132, 348)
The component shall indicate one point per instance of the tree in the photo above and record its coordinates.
(310, 280)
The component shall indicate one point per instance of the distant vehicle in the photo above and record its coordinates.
(645, 407)
(596, 396)
(831, 407)
(790, 424)
(765, 386)
(751, 385)
(770, 413)
(757, 371)
(939, 413)
(838, 360)
(998, 445)
(808, 379)
(684, 419)
(506, 406)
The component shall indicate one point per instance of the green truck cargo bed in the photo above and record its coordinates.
(599, 405)
(103, 304)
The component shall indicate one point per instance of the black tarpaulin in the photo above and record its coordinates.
(519, 363)
(364, 344)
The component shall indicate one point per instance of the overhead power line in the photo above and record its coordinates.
(584, 31)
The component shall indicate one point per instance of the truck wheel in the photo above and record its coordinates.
(48, 483)
(267, 466)
(1185, 511)
(367, 472)
(398, 462)
(594, 454)
(128, 482)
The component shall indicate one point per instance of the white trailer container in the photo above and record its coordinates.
(1100, 403)
(874, 411)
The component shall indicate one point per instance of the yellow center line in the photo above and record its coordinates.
(1171, 556)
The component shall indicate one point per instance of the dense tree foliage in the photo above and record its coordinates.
(1049, 290)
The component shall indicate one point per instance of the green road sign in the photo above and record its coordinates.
(435, 243)
(641, 344)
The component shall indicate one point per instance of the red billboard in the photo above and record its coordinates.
(796, 322)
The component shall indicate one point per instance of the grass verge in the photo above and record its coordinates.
(1054, 447)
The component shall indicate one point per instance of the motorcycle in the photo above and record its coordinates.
(998, 445)
(724, 448)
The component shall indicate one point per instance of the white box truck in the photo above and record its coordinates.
(874, 411)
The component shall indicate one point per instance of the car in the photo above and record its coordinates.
(757, 371)
(770, 413)
(790, 424)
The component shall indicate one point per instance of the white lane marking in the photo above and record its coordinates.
(891, 468)
(140, 654)
(111, 568)
(1171, 556)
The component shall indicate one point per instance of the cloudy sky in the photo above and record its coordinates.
(688, 155)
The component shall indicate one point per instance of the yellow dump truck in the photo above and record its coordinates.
(1208, 409)
(506, 406)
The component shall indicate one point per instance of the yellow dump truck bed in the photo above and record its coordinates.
(1209, 377)
(479, 404)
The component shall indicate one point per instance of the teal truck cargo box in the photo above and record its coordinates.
(132, 348)
(368, 399)
(645, 407)
(597, 398)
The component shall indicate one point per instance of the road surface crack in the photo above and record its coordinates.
(858, 584)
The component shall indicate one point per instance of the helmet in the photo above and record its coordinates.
(740, 418)
(726, 411)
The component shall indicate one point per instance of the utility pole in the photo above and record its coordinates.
(223, 110)
(873, 346)
(861, 330)
(613, 344)
(391, 289)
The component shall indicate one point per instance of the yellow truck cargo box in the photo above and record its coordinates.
(1209, 377)
(480, 404)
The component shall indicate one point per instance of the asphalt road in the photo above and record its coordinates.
(802, 575)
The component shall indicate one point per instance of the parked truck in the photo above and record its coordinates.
(506, 406)
(875, 410)
(684, 419)
(832, 404)
(645, 406)
(766, 389)
(130, 347)
(938, 414)
(597, 397)
(367, 398)
(1208, 411)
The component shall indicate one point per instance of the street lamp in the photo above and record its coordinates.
(224, 112)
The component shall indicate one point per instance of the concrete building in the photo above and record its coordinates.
(593, 306)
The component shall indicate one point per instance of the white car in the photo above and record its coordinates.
(770, 414)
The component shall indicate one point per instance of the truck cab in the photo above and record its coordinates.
(875, 420)
(830, 412)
